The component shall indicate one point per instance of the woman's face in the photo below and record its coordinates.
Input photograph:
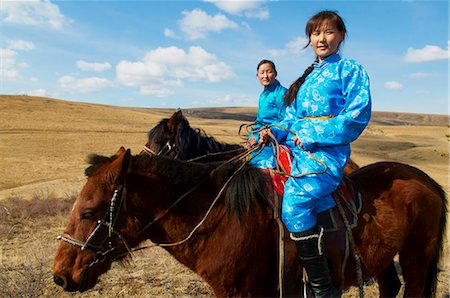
(325, 40)
(266, 74)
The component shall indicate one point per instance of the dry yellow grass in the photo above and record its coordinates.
(44, 143)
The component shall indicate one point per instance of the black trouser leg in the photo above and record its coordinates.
(309, 246)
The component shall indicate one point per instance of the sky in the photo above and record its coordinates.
(188, 54)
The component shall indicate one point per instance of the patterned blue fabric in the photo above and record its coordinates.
(337, 87)
(271, 109)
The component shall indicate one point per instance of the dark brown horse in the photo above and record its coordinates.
(174, 137)
(228, 235)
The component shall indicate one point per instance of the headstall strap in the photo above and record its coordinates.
(108, 221)
(168, 145)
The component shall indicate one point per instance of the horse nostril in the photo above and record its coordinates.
(60, 281)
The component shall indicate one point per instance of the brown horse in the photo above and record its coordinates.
(174, 137)
(228, 235)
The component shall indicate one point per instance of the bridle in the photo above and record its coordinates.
(166, 149)
(100, 240)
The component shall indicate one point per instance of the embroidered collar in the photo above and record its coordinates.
(328, 60)
(272, 87)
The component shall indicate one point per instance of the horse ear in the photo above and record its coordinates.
(119, 167)
(120, 151)
(125, 165)
(174, 121)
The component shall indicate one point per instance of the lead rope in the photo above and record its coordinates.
(359, 276)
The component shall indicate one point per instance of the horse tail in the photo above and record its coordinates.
(433, 269)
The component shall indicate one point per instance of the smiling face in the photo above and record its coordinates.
(266, 74)
(325, 40)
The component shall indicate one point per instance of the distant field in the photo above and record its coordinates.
(43, 146)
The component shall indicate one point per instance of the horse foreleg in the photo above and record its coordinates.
(388, 281)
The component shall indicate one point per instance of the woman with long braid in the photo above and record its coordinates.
(328, 107)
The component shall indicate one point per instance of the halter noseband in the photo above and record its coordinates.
(165, 149)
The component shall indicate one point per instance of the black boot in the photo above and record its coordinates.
(309, 247)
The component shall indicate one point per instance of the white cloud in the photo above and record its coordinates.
(156, 91)
(37, 92)
(20, 44)
(296, 46)
(426, 54)
(423, 92)
(169, 67)
(86, 85)
(393, 85)
(8, 57)
(8, 64)
(93, 66)
(169, 33)
(23, 65)
(196, 24)
(422, 75)
(34, 13)
(242, 99)
(250, 9)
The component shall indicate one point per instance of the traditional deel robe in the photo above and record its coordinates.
(271, 109)
(336, 88)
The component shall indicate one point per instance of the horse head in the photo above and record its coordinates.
(174, 138)
(162, 139)
(96, 230)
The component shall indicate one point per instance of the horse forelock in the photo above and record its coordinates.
(96, 162)
(156, 134)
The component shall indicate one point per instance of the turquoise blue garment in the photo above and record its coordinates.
(271, 109)
(337, 87)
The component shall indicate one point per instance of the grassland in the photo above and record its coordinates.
(43, 146)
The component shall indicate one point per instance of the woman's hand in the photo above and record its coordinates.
(251, 142)
(264, 135)
(297, 141)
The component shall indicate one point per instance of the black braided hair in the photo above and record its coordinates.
(291, 94)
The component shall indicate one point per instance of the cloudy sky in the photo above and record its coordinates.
(204, 53)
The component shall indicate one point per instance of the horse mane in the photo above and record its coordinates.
(249, 187)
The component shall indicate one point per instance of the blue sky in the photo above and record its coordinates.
(204, 53)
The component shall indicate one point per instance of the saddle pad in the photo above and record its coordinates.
(284, 159)
(348, 196)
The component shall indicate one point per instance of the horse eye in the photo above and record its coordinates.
(87, 215)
